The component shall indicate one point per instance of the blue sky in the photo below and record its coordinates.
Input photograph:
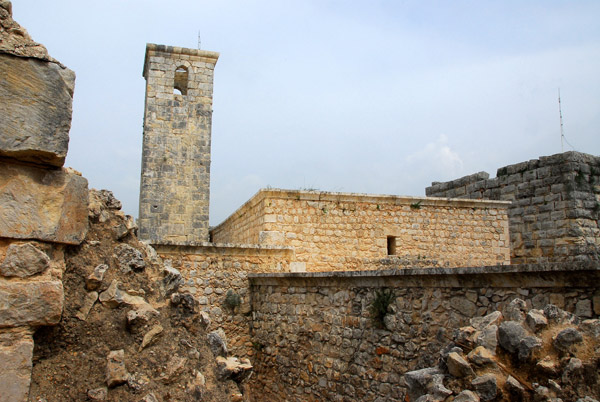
(355, 96)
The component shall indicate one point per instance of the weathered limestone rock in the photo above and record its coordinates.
(175, 367)
(151, 336)
(591, 327)
(514, 388)
(486, 386)
(481, 323)
(573, 369)
(140, 316)
(195, 387)
(559, 316)
(30, 303)
(527, 346)
(547, 366)
(35, 115)
(233, 368)
(113, 297)
(481, 356)
(98, 394)
(466, 396)
(23, 260)
(116, 373)
(218, 342)
(514, 310)
(15, 40)
(488, 338)
(48, 205)
(426, 381)
(510, 335)
(566, 338)
(16, 351)
(129, 258)
(88, 303)
(536, 320)
(172, 279)
(94, 280)
(37, 93)
(457, 366)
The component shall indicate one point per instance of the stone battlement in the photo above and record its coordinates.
(555, 205)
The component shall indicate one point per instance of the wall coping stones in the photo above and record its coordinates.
(542, 161)
(221, 248)
(210, 57)
(327, 196)
(538, 275)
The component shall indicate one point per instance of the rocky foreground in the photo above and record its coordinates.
(515, 355)
(126, 333)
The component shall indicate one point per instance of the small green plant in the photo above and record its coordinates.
(416, 205)
(378, 207)
(324, 210)
(257, 346)
(232, 299)
(379, 306)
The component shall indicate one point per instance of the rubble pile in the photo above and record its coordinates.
(518, 354)
(127, 332)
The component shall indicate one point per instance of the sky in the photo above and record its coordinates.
(370, 96)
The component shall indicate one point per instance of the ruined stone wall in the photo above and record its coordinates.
(175, 181)
(555, 212)
(43, 206)
(213, 270)
(315, 339)
(341, 232)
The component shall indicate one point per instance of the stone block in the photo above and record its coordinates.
(30, 303)
(23, 260)
(35, 114)
(48, 205)
(16, 351)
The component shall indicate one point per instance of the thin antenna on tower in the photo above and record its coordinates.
(199, 41)
(563, 139)
(562, 134)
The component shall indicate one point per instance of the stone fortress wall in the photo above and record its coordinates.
(211, 271)
(555, 211)
(315, 339)
(175, 180)
(345, 232)
(43, 206)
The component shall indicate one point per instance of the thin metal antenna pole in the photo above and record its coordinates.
(199, 41)
(562, 134)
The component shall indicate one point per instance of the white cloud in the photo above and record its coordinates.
(437, 158)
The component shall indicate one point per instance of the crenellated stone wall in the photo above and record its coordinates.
(315, 339)
(555, 211)
(43, 206)
(211, 271)
(341, 231)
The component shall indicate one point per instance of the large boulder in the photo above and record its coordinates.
(42, 204)
(37, 97)
(30, 303)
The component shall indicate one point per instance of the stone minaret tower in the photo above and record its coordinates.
(175, 184)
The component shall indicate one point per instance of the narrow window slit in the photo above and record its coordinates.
(391, 245)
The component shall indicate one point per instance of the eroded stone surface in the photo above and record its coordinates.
(116, 373)
(31, 303)
(42, 204)
(23, 260)
(16, 351)
(35, 115)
